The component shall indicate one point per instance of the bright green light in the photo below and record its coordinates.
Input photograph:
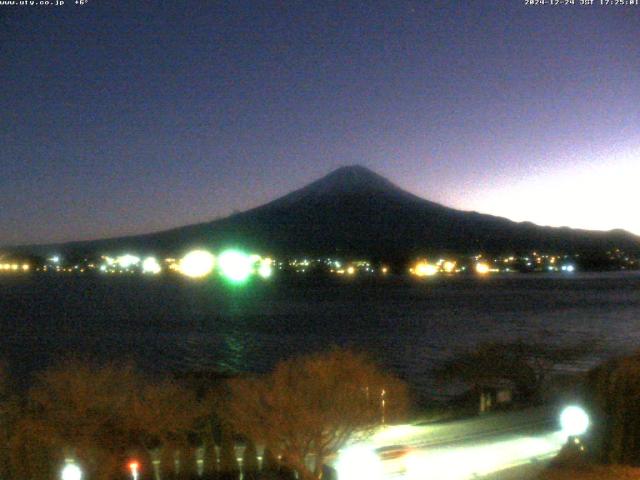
(234, 265)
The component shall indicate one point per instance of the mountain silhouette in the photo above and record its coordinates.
(355, 212)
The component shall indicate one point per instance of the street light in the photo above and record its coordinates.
(71, 471)
(133, 466)
(574, 421)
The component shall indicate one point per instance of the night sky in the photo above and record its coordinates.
(123, 117)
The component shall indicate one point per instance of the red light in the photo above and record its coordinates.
(134, 466)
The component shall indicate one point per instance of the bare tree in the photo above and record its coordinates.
(163, 416)
(310, 407)
(99, 416)
(250, 462)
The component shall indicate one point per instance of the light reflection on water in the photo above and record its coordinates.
(168, 324)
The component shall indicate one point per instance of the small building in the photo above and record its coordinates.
(494, 395)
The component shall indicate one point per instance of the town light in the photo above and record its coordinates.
(235, 265)
(449, 266)
(126, 261)
(574, 421)
(151, 265)
(71, 471)
(482, 268)
(197, 264)
(425, 269)
(265, 270)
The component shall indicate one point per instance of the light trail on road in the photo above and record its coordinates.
(462, 450)
(478, 460)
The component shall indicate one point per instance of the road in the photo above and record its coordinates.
(468, 449)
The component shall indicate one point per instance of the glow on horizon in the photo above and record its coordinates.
(597, 195)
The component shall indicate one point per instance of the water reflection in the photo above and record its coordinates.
(168, 324)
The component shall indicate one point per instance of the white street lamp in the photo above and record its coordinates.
(71, 471)
(574, 421)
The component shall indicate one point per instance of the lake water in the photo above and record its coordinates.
(174, 324)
